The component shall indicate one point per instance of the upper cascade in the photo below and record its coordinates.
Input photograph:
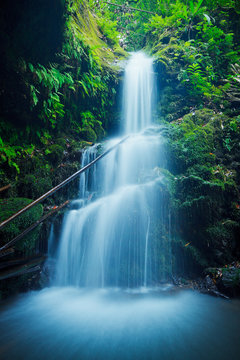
(138, 93)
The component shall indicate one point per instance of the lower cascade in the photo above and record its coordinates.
(108, 237)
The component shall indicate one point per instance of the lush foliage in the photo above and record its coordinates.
(195, 42)
(203, 153)
(69, 96)
(8, 208)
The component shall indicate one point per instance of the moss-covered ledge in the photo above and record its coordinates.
(8, 207)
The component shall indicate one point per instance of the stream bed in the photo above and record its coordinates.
(159, 323)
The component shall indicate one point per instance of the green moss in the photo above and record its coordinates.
(191, 143)
(197, 212)
(202, 171)
(196, 255)
(172, 103)
(223, 232)
(84, 28)
(88, 134)
(8, 208)
(54, 154)
(88, 120)
(231, 277)
(190, 187)
(99, 131)
(198, 117)
(33, 186)
(61, 142)
(192, 255)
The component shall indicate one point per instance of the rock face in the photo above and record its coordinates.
(205, 192)
(227, 278)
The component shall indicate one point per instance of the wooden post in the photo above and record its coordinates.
(30, 266)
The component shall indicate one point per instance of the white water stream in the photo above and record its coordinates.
(106, 242)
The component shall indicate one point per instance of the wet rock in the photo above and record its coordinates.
(206, 285)
(231, 277)
(227, 278)
(47, 273)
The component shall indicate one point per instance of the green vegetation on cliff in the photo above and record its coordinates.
(206, 186)
(8, 208)
(69, 92)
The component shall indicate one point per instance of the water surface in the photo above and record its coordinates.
(70, 323)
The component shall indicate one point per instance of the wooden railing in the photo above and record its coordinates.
(6, 248)
(56, 188)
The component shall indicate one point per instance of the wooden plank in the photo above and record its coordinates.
(33, 265)
(7, 252)
(15, 262)
(5, 187)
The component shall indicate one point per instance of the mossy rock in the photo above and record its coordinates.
(8, 208)
(12, 286)
(198, 212)
(199, 117)
(88, 134)
(227, 278)
(231, 277)
(171, 104)
(32, 186)
(29, 164)
(55, 154)
(99, 130)
(223, 237)
(190, 144)
(194, 186)
(197, 256)
(202, 171)
(118, 51)
(61, 142)
(187, 258)
(3, 179)
(231, 192)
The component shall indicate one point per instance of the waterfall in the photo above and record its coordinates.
(108, 238)
(88, 178)
(138, 93)
(115, 248)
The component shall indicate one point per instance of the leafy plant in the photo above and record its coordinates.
(232, 87)
(10, 153)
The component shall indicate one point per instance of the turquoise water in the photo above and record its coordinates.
(161, 323)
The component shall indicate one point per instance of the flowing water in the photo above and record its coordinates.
(106, 301)
(108, 241)
(70, 323)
